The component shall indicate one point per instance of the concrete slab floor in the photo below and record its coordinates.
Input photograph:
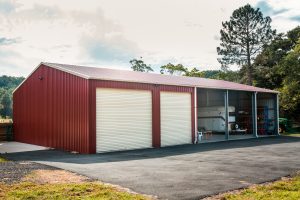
(183, 172)
(14, 147)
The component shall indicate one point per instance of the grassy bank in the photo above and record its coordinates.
(88, 190)
(2, 159)
(294, 134)
(287, 188)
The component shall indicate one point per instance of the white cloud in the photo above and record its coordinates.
(111, 32)
(285, 14)
(71, 36)
(8, 6)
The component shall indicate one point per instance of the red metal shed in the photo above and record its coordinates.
(89, 110)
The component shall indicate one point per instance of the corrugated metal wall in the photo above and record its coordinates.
(52, 112)
(137, 86)
(59, 111)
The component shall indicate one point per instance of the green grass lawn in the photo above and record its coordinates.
(2, 159)
(59, 191)
(296, 134)
(288, 189)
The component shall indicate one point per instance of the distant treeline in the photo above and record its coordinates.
(7, 86)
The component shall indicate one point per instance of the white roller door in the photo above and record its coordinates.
(176, 126)
(123, 119)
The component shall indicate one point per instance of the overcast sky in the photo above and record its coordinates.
(109, 33)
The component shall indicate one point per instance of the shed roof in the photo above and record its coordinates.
(152, 78)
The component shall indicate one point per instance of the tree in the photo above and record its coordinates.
(7, 85)
(267, 64)
(293, 35)
(171, 69)
(228, 75)
(10, 81)
(194, 73)
(210, 73)
(278, 67)
(140, 66)
(243, 37)
(6, 103)
(290, 91)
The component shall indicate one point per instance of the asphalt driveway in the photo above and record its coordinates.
(183, 172)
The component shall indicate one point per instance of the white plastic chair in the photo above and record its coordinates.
(200, 135)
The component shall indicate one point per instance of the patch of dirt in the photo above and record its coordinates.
(43, 176)
(14, 171)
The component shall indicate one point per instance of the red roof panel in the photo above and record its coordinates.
(141, 77)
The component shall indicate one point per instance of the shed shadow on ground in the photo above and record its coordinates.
(66, 157)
